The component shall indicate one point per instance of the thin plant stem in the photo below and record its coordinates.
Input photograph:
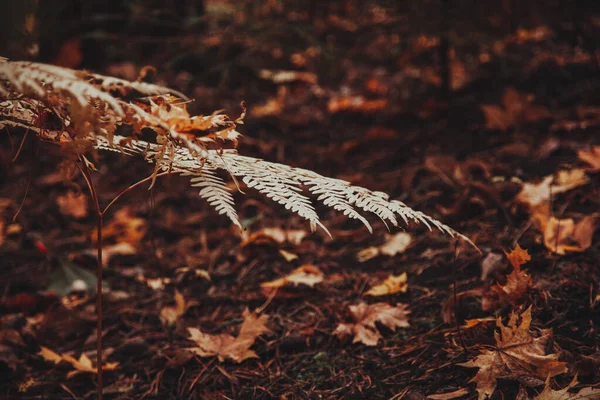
(99, 306)
(117, 197)
(85, 172)
(99, 266)
(455, 298)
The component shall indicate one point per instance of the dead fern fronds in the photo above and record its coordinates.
(88, 110)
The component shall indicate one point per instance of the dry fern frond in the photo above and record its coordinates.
(91, 107)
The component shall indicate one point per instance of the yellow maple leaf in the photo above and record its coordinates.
(393, 284)
(83, 364)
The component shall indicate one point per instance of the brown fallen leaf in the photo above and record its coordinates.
(535, 195)
(170, 314)
(519, 356)
(495, 117)
(308, 275)
(289, 257)
(83, 364)
(449, 395)
(393, 284)
(225, 346)
(470, 323)
(365, 315)
(587, 393)
(356, 104)
(518, 256)
(518, 283)
(124, 227)
(516, 108)
(198, 273)
(272, 106)
(591, 157)
(279, 77)
(563, 236)
(154, 283)
(491, 263)
(73, 204)
(274, 236)
(49, 355)
(111, 250)
(394, 244)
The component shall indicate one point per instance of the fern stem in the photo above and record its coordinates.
(99, 267)
(117, 197)
(85, 172)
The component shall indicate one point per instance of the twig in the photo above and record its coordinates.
(458, 329)
(85, 172)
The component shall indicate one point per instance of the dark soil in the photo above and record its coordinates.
(411, 149)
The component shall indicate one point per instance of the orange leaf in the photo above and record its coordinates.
(564, 235)
(225, 346)
(355, 103)
(395, 244)
(519, 355)
(518, 257)
(75, 205)
(591, 157)
(495, 117)
(83, 364)
(308, 275)
(393, 284)
(365, 315)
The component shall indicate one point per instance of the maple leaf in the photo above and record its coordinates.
(563, 394)
(226, 346)
(516, 108)
(393, 284)
(83, 364)
(517, 284)
(365, 315)
(518, 256)
(394, 244)
(564, 235)
(518, 356)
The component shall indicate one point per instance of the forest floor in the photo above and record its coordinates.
(363, 102)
